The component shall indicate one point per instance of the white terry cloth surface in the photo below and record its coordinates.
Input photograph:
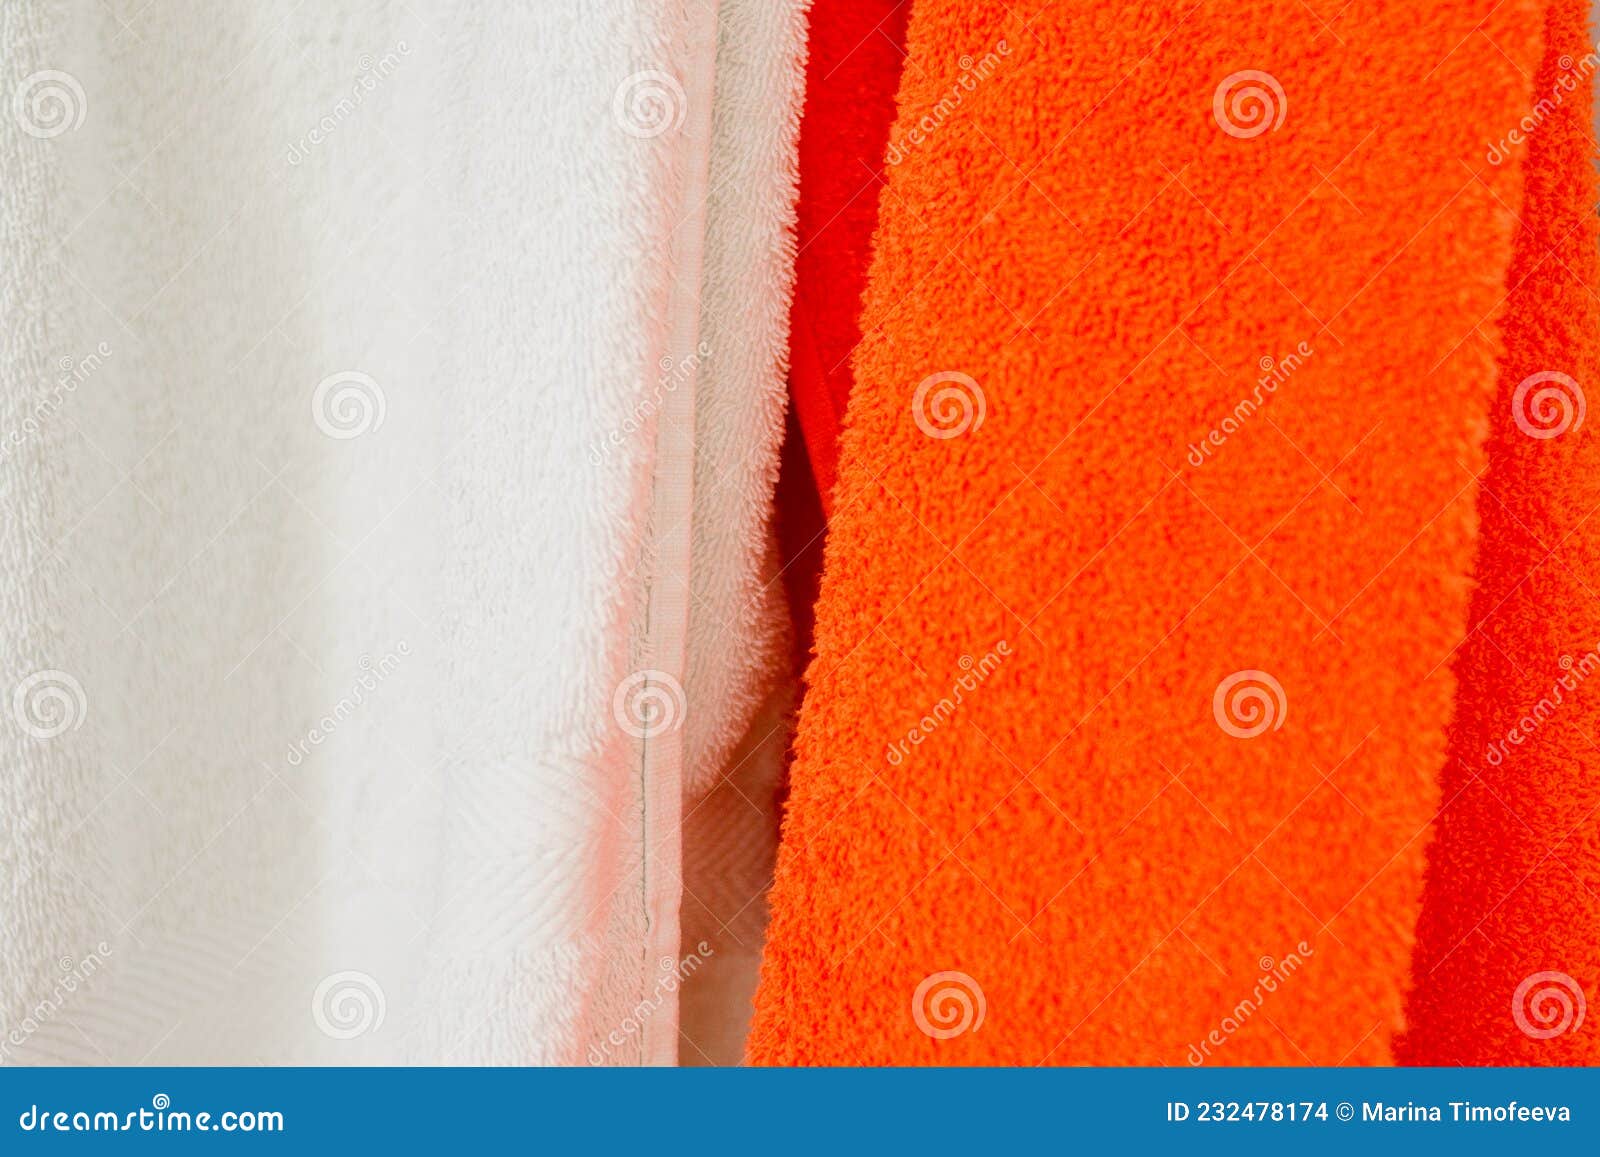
(739, 640)
(340, 497)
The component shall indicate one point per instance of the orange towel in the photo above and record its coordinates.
(1152, 536)
(1508, 952)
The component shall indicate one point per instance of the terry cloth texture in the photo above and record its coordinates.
(739, 684)
(349, 404)
(852, 72)
(855, 52)
(1508, 951)
(1152, 533)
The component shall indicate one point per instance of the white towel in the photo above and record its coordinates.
(739, 641)
(364, 364)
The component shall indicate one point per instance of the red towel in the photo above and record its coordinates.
(1508, 952)
(853, 65)
(854, 57)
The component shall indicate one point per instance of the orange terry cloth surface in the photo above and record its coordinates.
(1508, 951)
(1152, 536)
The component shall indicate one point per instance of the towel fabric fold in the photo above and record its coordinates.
(852, 70)
(854, 54)
(1152, 536)
(388, 396)
(739, 646)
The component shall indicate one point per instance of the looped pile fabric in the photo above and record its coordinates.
(431, 441)
(1188, 548)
